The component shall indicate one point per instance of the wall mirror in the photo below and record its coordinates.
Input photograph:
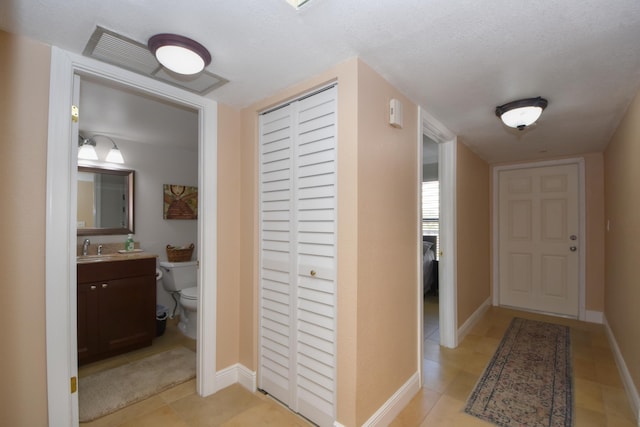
(105, 201)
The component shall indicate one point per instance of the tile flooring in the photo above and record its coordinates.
(180, 406)
(449, 377)
(451, 374)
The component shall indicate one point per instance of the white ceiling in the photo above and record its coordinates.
(457, 59)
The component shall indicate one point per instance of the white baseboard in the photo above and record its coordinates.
(629, 386)
(395, 404)
(473, 319)
(594, 316)
(247, 378)
(237, 373)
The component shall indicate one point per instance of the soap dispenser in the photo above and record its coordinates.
(129, 245)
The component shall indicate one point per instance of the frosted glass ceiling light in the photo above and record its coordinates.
(297, 3)
(522, 113)
(179, 54)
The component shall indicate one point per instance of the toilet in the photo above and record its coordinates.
(182, 277)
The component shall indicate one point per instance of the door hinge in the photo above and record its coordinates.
(74, 385)
(75, 113)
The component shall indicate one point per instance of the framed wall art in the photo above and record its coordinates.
(180, 202)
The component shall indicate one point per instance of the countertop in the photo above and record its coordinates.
(85, 259)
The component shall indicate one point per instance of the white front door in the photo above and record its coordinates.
(539, 241)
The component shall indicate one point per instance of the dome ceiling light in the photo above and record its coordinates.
(522, 113)
(179, 54)
(297, 4)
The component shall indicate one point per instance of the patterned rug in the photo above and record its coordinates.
(528, 380)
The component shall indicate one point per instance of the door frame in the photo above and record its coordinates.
(582, 241)
(447, 141)
(61, 227)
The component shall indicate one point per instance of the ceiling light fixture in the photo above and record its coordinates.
(179, 54)
(522, 113)
(87, 150)
(297, 3)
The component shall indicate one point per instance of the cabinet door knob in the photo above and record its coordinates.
(313, 273)
(93, 287)
(104, 285)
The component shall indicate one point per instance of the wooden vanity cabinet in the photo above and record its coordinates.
(116, 307)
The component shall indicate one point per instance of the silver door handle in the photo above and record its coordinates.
(573, 248)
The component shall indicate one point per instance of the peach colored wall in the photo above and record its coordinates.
(594, 226)
(387, 242)
(248, 239)
(371, 155)
(229, 266)
(24, 108)
(622, 201)
(594, 201)
(473, 232)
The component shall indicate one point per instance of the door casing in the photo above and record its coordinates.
(60, 246)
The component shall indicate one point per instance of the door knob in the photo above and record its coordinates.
(573, 237)
(573, 248)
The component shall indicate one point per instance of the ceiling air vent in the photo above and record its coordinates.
(107, 46)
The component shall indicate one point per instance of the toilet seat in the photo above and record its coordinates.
(190, 293)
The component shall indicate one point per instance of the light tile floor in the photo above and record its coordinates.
(449, 377)
(451, 374)
(180, 406)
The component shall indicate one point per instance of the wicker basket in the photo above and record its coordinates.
(175, 254)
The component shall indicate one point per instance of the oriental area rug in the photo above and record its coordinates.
(107, 391)
(528, 382)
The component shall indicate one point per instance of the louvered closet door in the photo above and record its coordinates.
(298, 255)
(277, 247)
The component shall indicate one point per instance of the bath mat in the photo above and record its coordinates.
(528, 380)
(105, 392)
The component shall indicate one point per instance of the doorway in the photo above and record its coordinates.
(158, 141)
(446, 142)
(61, 227)
(430, 236)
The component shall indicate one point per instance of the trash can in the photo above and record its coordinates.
(161, 319)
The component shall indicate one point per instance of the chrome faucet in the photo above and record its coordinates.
(99, 249)
(85, 247)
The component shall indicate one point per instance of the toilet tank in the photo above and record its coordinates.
(179, 275)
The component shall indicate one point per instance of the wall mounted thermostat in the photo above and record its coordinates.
(395, 113)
